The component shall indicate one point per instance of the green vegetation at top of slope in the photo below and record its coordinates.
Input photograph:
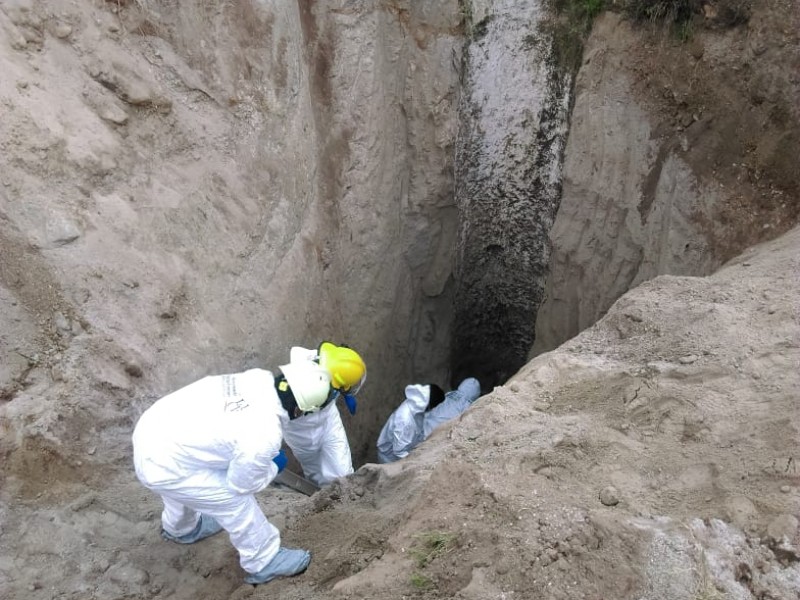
(682, 16)
(568, 29)
(725, 13)
(572, 20)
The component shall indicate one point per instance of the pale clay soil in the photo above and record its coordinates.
(652, 456)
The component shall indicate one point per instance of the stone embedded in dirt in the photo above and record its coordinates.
(62, 323)
(128, 574)
(782, 527)
(687, 360)
(129, 86)
(609, 496)
(113, 114)
(15, 37)
(60, 231)
(62, 30)
(740, 511)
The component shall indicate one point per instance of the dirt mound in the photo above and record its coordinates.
(654, 456)
(679, 157)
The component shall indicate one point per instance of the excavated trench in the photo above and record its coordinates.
(513, 116)
(386, 176)
(395, 176)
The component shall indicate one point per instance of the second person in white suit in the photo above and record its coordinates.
(318, 440)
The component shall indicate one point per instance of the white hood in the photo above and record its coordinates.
(418, 397)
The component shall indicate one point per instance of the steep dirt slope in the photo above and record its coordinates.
(172, 207)
(681, 153)
(168, 177)
(513, 122)
(653, 456)
(190, 188)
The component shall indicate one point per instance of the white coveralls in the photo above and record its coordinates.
(208, 448)
(403, 429)
(455, 402)
(318, 440)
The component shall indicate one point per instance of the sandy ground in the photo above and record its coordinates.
(653, 456)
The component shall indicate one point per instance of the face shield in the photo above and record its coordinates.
(354, 389)
(347, 368)
(349, 395)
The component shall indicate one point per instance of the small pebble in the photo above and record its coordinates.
(609, 496)
(62, 30)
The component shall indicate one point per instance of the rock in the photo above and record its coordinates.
(782, 527)
(740, 511)
(786, 489)
(128, 574)
(609, 496)
(129, 84)
(15, 37)
(60, 231)
(62, 30)
(57, 373)
(113, 114)
(62, 323)
(687, 360)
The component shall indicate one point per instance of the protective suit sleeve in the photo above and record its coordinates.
(470, 388)
(252, 468)
(403, 438)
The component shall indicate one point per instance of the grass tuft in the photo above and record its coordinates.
(570, 28)
(681, 14)
(420, 581)
(430, 545)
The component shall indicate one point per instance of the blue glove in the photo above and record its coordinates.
(350, 401)
(281, 460)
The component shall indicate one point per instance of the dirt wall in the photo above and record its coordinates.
(192, 188)
(678, 157)
(513, 123)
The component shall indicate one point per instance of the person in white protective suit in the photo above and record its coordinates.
(403, 430)
(455, 403)
(318, 440)
(207, 448)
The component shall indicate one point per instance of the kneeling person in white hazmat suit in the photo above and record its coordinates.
(207, 448)
(455, 402)
(318, 440)
(403, 430)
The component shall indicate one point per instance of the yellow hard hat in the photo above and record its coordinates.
(309, 382)
(347, 369)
